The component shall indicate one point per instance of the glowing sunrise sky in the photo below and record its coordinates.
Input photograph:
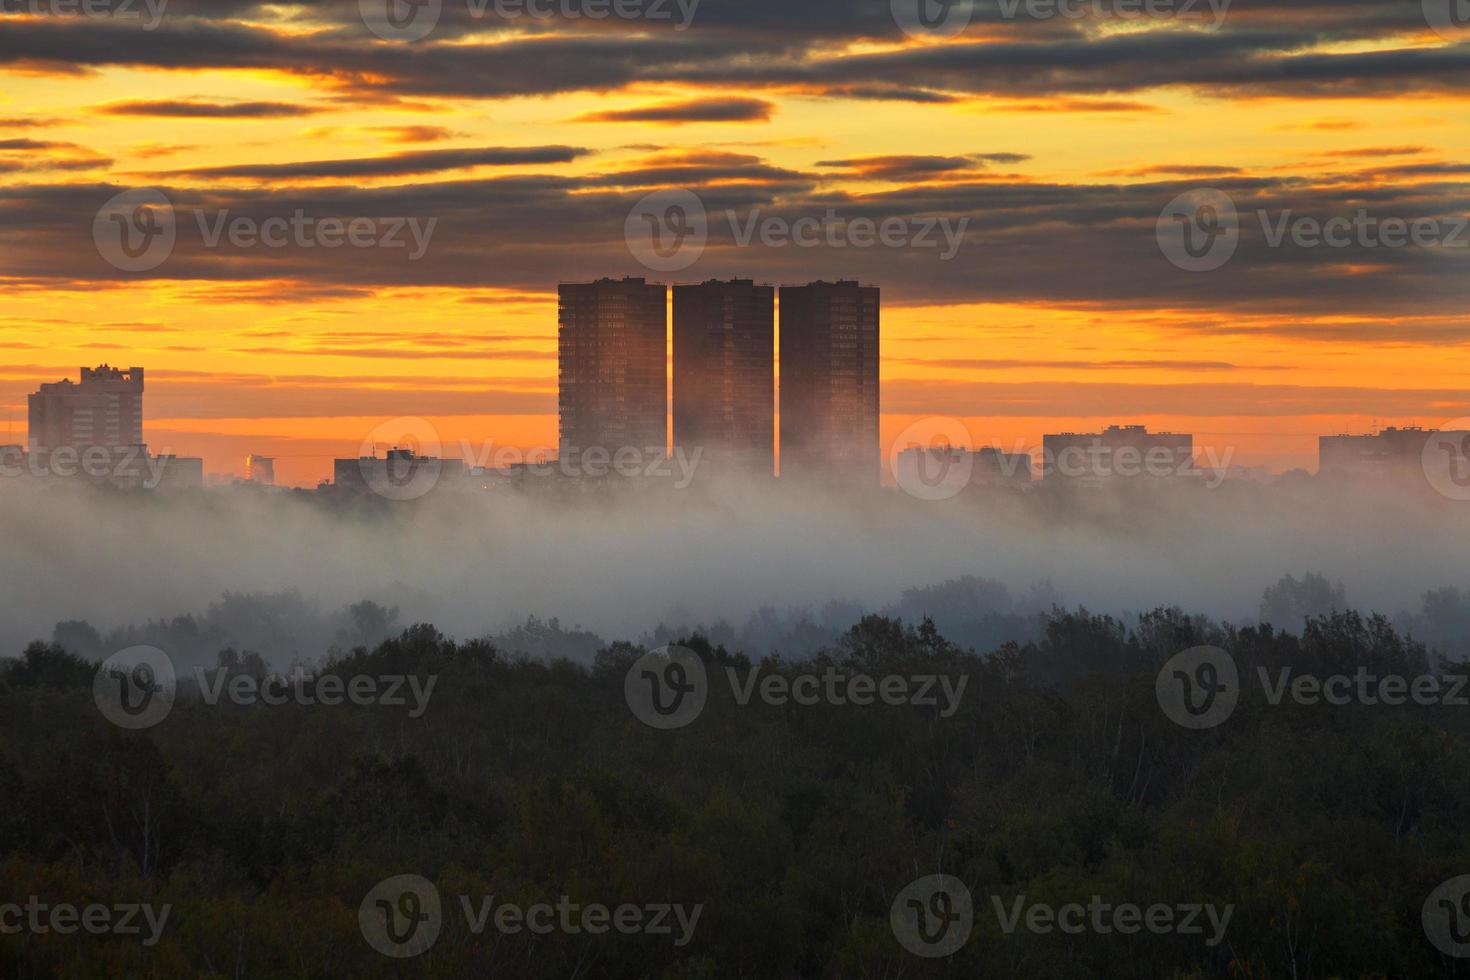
(1060, 140)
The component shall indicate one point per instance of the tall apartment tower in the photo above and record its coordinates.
(104, 409)
(724, 374)
(260, 469)
(612, 357)
(829, 381)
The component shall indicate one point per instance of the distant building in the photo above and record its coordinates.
(724, 373)
(176, 472)
(92, 430)
(260, 469)
(1392, 453)
(612, 366)
(401, 474)
(13, 459)
(1117, 452)
(987, 466)
(105, 409)
(121, 469)
(829, 381)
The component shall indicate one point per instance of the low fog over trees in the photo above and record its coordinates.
(1055, 776)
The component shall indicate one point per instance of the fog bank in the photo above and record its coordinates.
(618, 565)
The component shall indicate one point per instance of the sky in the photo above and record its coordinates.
(1058, 144)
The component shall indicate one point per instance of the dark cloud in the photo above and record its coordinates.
(1077, 105)
(398, 164)
(26, 122)
(25, 144)
(696, 110)
(902, 167)
(825, 20)
(43, 155)
(696, 172)
(1263, 49)
(890, 93)
(1176, 170)
(1089, 245)
(1255, 62)
(70, 164)
(1375, 151)
(920, 167)
(195, 109)
(1425, 170)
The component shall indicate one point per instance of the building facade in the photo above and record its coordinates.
(1395, 453)
(1117, 452)
(724, 374)
(170, 472)
(401, 474)
(260, 469)
(919, 466)
(104, 409)
(612, 366)
(829, 381)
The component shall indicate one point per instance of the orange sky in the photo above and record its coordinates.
(1036, 325)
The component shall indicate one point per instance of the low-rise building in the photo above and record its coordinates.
(401, 475)
(1388, 452)
(987, 466)
(1127, 452)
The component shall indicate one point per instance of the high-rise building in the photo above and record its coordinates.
(260, 469)
(92, 430)
(105, 409)
(1117, 452)
(612, 359)
(724, 374)
(829, 381)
